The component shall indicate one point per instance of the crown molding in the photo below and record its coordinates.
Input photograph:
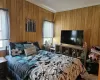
(42, 6)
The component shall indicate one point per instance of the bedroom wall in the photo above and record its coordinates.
(19, 11)
(2, 53)
(87, 19)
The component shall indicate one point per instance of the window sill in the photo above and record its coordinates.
(2, 49)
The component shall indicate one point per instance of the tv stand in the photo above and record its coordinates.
(72, 46)
(73, 51)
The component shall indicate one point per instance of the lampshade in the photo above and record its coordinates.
(48, 29)
(4, 25)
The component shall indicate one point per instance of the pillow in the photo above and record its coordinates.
(28, 45)
(19, 46)
(37, 45)
(16, 48)
(16, 52)
(30, 51)
(12, 45)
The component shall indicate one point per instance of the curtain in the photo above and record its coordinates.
(48, 29)
(4, 25)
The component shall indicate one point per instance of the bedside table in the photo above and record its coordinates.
(3, 68)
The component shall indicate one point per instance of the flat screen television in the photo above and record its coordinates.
(73, 37)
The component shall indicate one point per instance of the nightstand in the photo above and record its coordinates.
(3, 68)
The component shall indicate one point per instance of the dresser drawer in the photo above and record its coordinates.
(3, 70)
(2, 75)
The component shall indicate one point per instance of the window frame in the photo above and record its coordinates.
(1, 48)
(3, 45)
(5, 42)
(42, 30)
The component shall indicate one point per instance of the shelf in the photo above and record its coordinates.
(72, 46)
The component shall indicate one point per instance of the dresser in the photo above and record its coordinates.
(3, 68)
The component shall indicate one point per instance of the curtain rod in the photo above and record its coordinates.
(4, 9)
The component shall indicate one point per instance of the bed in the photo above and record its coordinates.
(45, 66)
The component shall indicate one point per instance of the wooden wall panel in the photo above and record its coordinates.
(87, 19)
(2, 53)
(19, 11)
(2, 3)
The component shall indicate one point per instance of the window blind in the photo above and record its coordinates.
(4, 25)
(48, 29)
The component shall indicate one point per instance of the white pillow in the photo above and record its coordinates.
(30, 51)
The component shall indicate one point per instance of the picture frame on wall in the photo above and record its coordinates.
(30, 25)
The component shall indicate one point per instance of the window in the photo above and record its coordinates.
(4, 28)
(1, 44)
(48, 32)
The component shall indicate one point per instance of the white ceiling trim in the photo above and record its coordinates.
(64, 5)
(42, 5)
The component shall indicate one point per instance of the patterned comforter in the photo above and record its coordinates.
(46, 66)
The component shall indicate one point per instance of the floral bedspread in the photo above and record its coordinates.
(51, 66)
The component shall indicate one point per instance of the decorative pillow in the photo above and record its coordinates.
(30, 51)
(28, 45)
(16, 52)
(19, 46)
(16, 48)
(12, 45)
(36, 44)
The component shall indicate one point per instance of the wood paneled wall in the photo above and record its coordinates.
(87, 19)
(20, 10)
(2, 53)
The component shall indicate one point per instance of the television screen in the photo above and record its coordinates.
(74, 37)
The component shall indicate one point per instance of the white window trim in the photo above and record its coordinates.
(52, 31)
(5, 43)
(49, 38)
(2, 45)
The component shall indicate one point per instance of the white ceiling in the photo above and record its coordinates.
(63, 5)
